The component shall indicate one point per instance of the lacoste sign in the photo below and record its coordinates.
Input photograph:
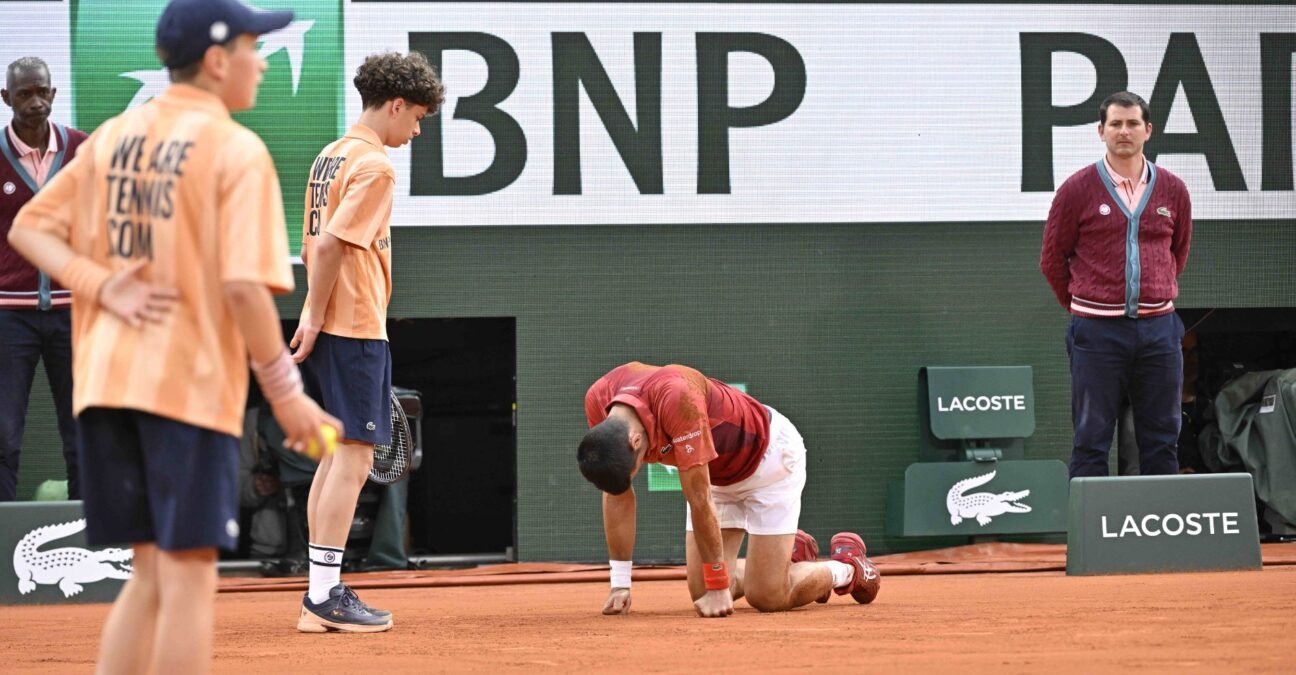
(46, 558)
(1173, 525)
(975, 499)
(980, 402)
(983, 506)
(68, 567)
(1130, 524)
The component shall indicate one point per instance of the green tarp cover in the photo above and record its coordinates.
(1257, 433)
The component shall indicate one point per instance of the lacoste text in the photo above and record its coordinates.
(981, 403)
(1174, 525)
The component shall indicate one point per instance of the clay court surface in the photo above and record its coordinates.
(923, 621)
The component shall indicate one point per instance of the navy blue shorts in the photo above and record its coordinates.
(351, 379)
(152, 479)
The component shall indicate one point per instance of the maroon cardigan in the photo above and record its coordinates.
(20, 282)
(1087, 252)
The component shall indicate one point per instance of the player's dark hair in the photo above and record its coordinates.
(389, 75)
(1124, 99)
(605, 456)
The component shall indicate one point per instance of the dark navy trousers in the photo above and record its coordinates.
(1119, 357)
(26, 337)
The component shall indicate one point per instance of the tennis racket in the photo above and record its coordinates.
(392, 462)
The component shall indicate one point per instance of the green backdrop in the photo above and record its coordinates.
(827, 323)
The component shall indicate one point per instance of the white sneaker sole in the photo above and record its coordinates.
(308, 622)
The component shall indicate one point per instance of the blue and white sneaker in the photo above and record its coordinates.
(342, 611)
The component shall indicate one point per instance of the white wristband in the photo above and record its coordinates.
(621, 573)
(280, 379)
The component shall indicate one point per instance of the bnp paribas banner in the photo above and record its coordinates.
(637, 112)
(592, 112)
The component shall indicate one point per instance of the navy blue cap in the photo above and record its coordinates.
(188, 27)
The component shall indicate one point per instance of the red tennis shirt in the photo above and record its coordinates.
(691, 419)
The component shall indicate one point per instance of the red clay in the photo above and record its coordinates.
(1029, 622)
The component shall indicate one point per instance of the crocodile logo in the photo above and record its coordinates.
(982, 505)
(68, 567)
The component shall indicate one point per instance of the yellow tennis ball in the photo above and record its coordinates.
(330, 442)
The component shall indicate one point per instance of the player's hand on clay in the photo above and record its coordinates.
(715, 604)
(134, 300)
(618, 602)
(301, 419)
(303, 341)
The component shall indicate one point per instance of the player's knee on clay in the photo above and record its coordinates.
(766, 597)
(767, 600)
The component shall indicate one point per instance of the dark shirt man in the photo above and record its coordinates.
(35, 321)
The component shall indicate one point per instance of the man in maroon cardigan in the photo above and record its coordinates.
(1115, 243)
(35, 316)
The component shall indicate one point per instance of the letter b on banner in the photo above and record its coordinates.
(427, 173)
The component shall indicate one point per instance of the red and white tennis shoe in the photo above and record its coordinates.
(848, 547)
(804, 547)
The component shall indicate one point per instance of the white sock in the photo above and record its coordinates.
(325, 571)
(842, 573)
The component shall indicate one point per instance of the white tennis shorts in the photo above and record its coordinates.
(769, 501)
